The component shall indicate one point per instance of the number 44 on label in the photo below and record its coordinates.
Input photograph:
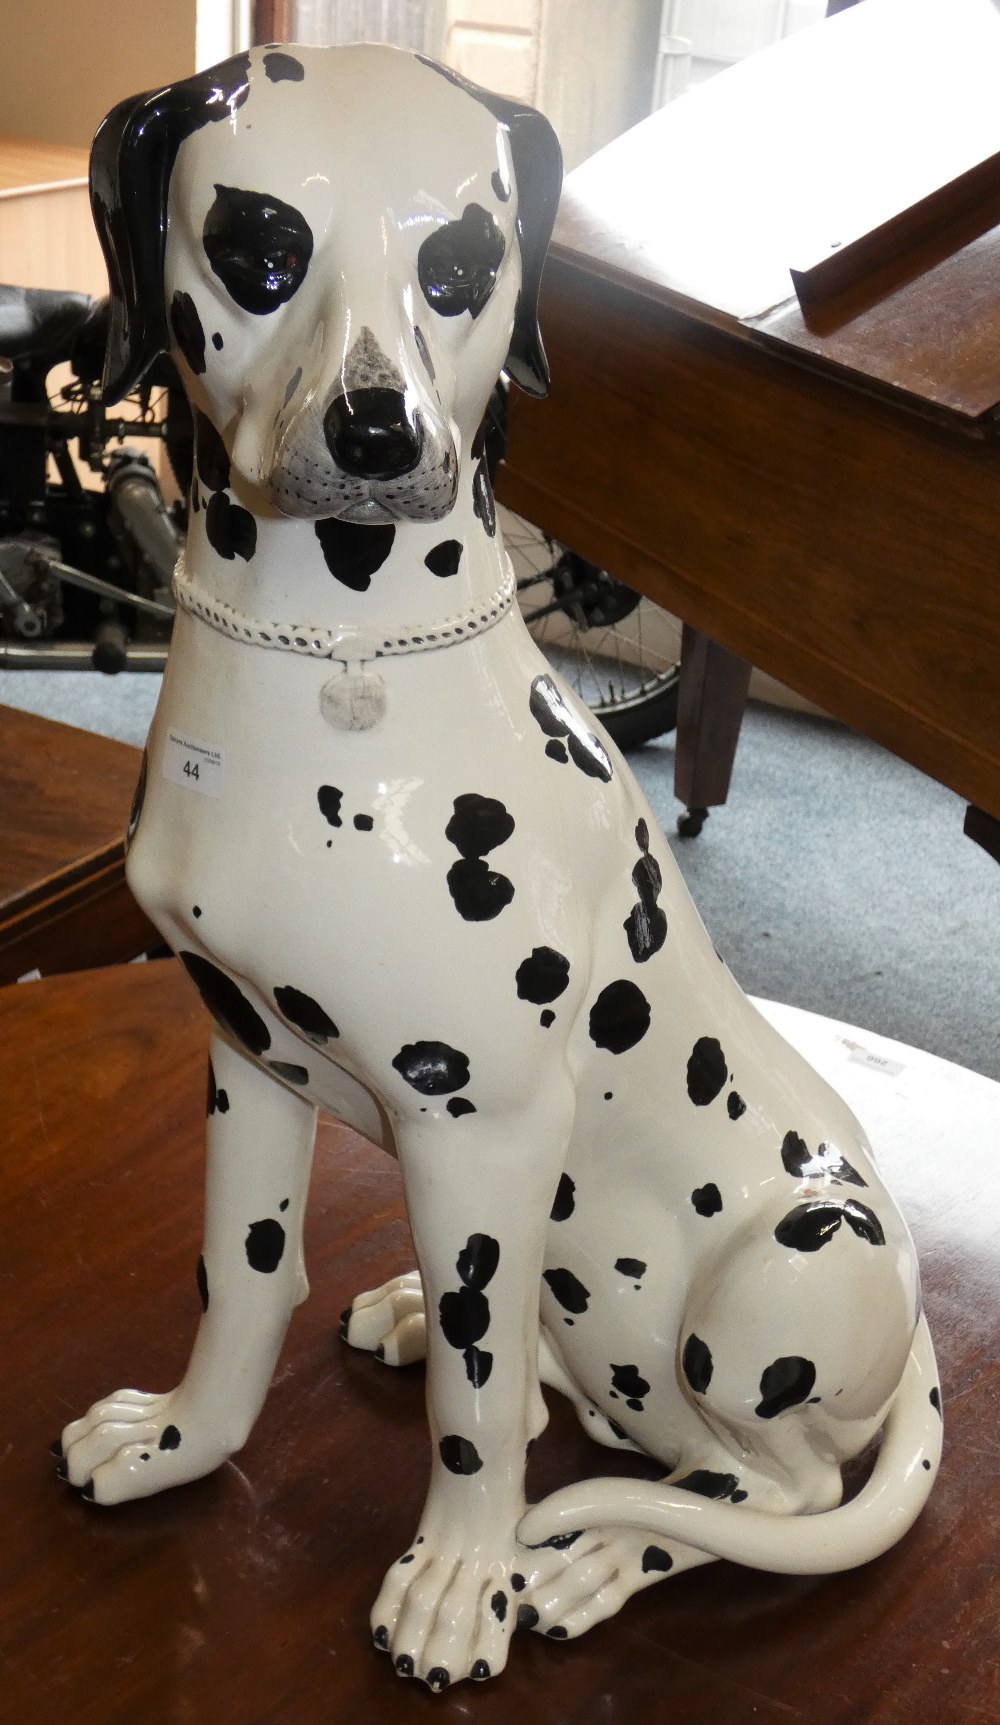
(193, 764)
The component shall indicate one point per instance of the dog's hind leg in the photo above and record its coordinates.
(259, 1150)
(389, 1321)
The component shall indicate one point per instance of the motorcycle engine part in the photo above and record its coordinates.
(30, 596)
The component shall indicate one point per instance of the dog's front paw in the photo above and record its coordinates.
(443, 1616)
(132, 1444)
(389, 1321)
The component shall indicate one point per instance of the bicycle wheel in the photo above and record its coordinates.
(617, 650)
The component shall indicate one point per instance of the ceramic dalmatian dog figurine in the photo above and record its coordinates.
(416, 886)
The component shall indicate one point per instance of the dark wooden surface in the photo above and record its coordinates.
(64, 803)
(712, 698)
(824, 503)
(244, 1598)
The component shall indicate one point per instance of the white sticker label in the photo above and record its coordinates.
(876, 1062)
(196, 765)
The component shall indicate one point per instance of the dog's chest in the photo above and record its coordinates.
(264, 828)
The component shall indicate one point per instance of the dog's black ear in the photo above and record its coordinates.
(131, 162)
(538, 171)
(537, 159)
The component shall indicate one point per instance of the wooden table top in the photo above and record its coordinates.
(244, 1598)
(793, 154)
(65, 797)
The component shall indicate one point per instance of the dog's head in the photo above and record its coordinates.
(343, 247)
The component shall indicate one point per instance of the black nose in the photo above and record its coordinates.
(369, 434)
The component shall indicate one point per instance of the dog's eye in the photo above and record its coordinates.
(258, 247)
(457, 264)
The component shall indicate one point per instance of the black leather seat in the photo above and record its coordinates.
(41, 323)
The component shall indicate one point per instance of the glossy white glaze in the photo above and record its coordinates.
(458, 928)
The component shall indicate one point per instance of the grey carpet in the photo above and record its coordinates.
(836, 878)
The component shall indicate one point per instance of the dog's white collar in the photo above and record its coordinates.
(347, 642)
(355, 699)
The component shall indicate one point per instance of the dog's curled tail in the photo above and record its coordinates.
(820, 1544)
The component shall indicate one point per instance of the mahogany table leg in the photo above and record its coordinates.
(711, 700)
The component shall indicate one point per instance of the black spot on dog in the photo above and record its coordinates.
(138, 799)
(784, 1384)
(527, 1617)
(810, 1225)
(188, 332)
(464, 1316)
(501, 191)
(282, 68)
(329, 800)
(633, 1267)
(170, 1438)
(655, 1558)
(289, 1071)
(542, 977)
(708, 1484)
(445, 558)
(305, 1013)
(558, 720)
(478, 825)
(232, 530)
(201, 1282)
(707, 1200)
(619, 1017)
(196, 910)
(265, 1245)
(258, 246)
(480, 1671)
(482, 498)
(696, 1364)
(460, 1105)
(557, 1633)
(556, 751)
(228, 1006)
(735, 1105)
(217, 342)
(565, 1200)
(628, 1381)
(570, 1293)
(457, 264)
(432, 1068)
(210, 454)
(459, 1455)
(217, 1099)
(478, 1260)
(353, 552)
(707, 1070)
(364, 823)
(479, 893)
(478, 1366)
(498, 1605)
(827, 1163)
(935, 1399)
(546, 1018)
(646, 923)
